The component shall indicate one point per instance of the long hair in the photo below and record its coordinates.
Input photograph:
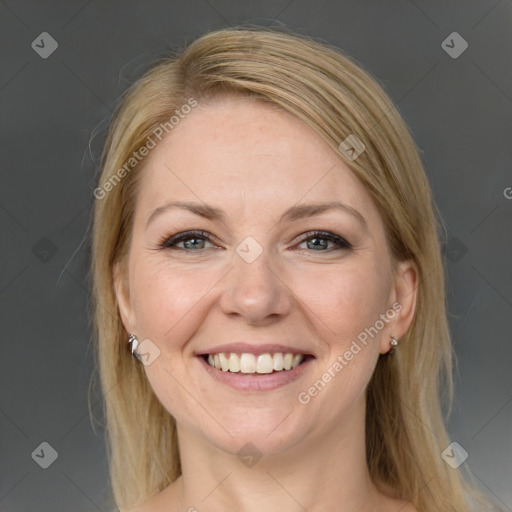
(336, 97)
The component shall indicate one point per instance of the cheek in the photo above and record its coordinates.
(347, 299)
(344, 303)
(165, 299)
(167, 304)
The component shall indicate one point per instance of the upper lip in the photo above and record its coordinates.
(263, 348)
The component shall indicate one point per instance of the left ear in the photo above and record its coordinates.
(403, 297)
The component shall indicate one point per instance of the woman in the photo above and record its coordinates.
(265, 244)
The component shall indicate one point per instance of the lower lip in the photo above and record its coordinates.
(257, 382)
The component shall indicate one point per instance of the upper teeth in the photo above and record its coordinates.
(250, 363)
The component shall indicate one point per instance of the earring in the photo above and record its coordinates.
(135, 343)
(394, 343)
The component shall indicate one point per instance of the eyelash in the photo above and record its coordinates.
(170, 242)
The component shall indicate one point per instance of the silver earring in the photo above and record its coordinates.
(135, 343)
(394, 343)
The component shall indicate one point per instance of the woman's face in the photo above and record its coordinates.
(262, 283)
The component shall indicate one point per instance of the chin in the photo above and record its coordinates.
(273, 434)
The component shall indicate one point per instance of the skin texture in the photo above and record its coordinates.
(254, 162)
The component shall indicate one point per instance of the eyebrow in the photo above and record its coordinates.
(294, 213)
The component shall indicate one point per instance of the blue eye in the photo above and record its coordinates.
(322, 239)
(186, 237)
(195, 241)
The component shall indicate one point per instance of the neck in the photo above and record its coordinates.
(326, 471)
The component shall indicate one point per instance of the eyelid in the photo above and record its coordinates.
(341, 241)
(169, 242)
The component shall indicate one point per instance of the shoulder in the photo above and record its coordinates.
(147, 506)
(397, 505)
(407, 507)
(165, 501)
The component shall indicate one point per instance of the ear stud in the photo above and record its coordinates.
(393, 343)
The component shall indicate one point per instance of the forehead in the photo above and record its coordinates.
(247, 156)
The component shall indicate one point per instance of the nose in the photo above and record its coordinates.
(256, 291)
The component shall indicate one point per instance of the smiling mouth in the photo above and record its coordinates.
(251, 364)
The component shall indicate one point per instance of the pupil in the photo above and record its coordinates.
(194, 244)
(323, 243)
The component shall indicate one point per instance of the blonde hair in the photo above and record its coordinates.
(336, 97)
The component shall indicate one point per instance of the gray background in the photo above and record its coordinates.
(460, 111)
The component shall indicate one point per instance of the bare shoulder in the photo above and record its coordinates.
(151, 505)
(402, 506)
(148, 506)
(164, 501)
(407, 506)
(144, 507)
(397, 505)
